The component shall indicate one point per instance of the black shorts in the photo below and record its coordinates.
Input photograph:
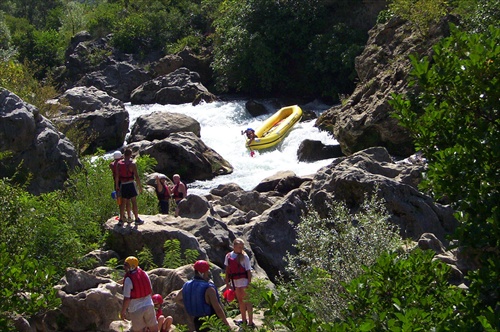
(128, 190)
(164, 206)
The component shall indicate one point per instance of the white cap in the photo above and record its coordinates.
(117, 155)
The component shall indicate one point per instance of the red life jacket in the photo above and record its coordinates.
(236, 270)
(175, 190)
(164, 195)
(113, 166)
(124, 173)
(141, 286)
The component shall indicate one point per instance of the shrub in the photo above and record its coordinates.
(343, 243)
(453, 116)
(403, 293)
(422, 13)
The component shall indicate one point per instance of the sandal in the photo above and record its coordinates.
(240, 322)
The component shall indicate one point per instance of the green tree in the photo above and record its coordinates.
(455, 122)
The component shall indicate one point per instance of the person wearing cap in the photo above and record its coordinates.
(117, 156)
(200, 296)
(138, 304)
(163, 193)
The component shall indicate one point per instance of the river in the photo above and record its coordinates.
(221, 125)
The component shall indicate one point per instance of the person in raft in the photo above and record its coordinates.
(163, 193)
(239, 276)
(200, 296)
(179, 191)
(126, 180)
(137, 297)
(164, 323)
(250, 135)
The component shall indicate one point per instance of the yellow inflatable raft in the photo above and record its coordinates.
(274, 129)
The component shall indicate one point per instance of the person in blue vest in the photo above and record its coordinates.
(138, 304)
(200, 296)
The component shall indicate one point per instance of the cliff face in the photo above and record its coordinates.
(364, 120)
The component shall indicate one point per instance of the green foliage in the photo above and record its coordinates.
(403, 293)
(20, 80)
(145, 256)
(344, 242)
(422, 13)
(267, 46)
(455, 123)
(454, 120)
(27, 286)
(173, 255)
(477, 15)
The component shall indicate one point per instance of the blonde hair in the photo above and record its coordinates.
(241, 256)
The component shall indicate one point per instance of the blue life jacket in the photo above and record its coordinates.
(193, 295)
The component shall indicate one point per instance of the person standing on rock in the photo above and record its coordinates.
(137, 304)
(163, 193)
(179, 191)
(200, 296)
(239, 273)
(117, 156)
(126, 180)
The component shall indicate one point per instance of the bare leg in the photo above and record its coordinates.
(134, 207)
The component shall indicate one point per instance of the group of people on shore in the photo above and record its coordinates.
(128, 185)
(199, 295)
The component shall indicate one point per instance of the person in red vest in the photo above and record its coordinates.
(163, 193)
(138, 304)
(126, 180)
(117, 156)
(164, 323)
(179, 191)
(238, 277)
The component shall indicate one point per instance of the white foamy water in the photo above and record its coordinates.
(221, 126)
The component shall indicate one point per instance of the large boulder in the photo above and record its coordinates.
(117, 78)
(35, 145)
(372, 171)
(101, 118)
(180, 87)
(310, 151)
(159, 125)
(365, 119)
(186, 154)
(88, 302)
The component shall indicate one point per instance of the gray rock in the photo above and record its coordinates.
(159, 125)
(310, 150)
(181, 86)
(101, 118)
(35, 144)
(186, 154)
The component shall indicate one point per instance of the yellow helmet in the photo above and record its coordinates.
(132, 262)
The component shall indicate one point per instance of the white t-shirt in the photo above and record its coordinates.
(242, 282)
(135, 304)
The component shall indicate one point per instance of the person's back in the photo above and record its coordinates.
(194, 297)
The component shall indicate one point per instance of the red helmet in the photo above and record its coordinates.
(201, 266)
(157, 299)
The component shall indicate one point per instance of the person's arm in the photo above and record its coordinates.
(248, 267)
(126, 302)
(159, 187)
(214, 302)
(176, 296)
(227, 277)
(182, 189)
(136, 176)
(117, 178)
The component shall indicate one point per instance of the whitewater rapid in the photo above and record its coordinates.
(221, 125)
